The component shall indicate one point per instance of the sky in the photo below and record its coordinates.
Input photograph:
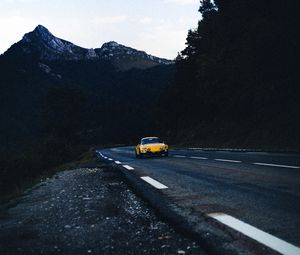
(158, 27)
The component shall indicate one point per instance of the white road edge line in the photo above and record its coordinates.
(153, 182)
(118, 162)
(260, 236)
(179, 156)
(227, 160)
(198, 158)
(285, 166)
(128, 167)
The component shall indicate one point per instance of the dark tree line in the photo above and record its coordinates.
(47, 119)
(237, 80)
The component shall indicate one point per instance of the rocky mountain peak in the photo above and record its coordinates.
(41, 29)
(42, 43)
(39, 33)
(112, 44)
(115, 51)
(50, 47)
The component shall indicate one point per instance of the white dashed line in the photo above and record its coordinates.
(118, 162)
(228, 160)
(198, 158)
(179, 156)
(273, 242)
(128, 167)
(154, 183)
(110, 159)
(285, 166)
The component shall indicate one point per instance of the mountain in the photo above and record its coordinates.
(58, 99)
(112, 77)
(46, 47)
(125, 58)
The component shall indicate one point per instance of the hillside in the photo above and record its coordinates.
(57, 99)
(42, 64)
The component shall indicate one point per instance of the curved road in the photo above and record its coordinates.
(258, 188)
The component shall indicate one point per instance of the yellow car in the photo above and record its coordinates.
(151, 146)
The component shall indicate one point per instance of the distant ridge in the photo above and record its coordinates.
(42, 43)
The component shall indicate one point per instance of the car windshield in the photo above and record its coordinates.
(150, 140)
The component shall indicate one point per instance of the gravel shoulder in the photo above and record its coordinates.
(87, 210)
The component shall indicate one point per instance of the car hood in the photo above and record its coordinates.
(152, 145)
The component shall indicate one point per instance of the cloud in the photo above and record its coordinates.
(163, 43)
(21, 1)
(182, 2)
(109, 20)
(146, 20)
(164, 39)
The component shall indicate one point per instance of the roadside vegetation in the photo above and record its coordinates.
(237, 81)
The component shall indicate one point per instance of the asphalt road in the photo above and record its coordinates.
(258, 188)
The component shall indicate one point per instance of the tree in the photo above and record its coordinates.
(206, 7)
(238, 74)
(63, 110)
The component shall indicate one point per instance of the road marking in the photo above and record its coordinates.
(118, 162)
(128, 167)
(198, 158)
(179, 156)
(260, 236)
(285, 166)
(110, 159)
(154, 183)
(228, 160)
